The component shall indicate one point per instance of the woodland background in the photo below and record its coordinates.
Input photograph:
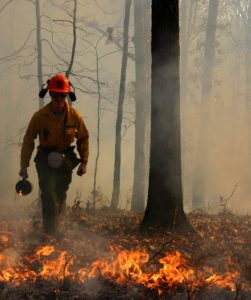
(85, 39)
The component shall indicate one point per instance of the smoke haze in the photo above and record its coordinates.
(227, 164)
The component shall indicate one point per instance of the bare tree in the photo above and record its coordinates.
(73, 51)
(117, 161)
(39, 51)
(188, 18)
(200, 171)
(97, 58)
(142, 95)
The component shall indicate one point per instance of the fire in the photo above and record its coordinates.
(4, 240)
(174, 271)
(52, 268)
(224, 281)
(127, 266)
(227, 280)
(56, 268)
(123, 267)
(45, 251)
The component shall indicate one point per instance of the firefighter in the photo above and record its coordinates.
(57, 125)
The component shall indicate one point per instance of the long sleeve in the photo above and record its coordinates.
(83, 141)
(28, 142)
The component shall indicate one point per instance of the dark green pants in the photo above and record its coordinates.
(53, 184)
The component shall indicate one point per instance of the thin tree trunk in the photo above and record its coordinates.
(201, 168)
(247, 48)
(67, 73)
(39, 63)
(141, 96)
(39, 51)
(187, 23)
(117, 162)
(9, 127)
(94, 192)
(188, 12)
(165, 199)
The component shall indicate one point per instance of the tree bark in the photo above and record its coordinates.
(39, 51)
(201, 168)
(187, 24)
(247, 47)
(142, 83)
(94, 192)
(165, 199)
(117, 161)
(67, 73)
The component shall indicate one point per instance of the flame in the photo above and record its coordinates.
(175, 271)
(123, 267)
(58, 267)
(45, 251)
(20, 193)
(228, 280)
(126, 265)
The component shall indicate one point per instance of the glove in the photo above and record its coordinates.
(81, 169)
(23, 173)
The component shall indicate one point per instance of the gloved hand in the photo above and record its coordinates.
(81, 169)
(23, 173)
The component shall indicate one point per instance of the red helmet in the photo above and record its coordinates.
(59, 84)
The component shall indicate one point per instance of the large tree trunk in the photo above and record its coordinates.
(201, 169)
(141, 98)
(117, 162)
(165, 199)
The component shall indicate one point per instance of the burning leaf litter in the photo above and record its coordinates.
(104, 256)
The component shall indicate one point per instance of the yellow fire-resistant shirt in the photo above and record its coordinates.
(55, 132)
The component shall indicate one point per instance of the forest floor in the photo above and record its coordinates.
(103, 255)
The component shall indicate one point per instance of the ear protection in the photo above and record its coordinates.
(44, 90)
(71, 94)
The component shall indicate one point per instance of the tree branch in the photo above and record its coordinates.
(67, 73)
(3, 7)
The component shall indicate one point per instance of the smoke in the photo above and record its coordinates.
(227, 158)
(228, 155)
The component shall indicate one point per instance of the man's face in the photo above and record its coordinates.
(58, 101)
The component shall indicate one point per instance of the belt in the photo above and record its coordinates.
(47, 150)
